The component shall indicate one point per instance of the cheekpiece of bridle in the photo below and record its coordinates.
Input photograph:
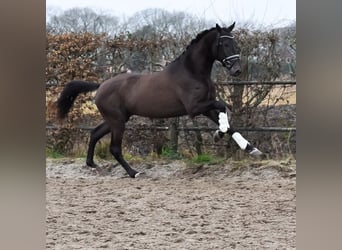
(228, 61)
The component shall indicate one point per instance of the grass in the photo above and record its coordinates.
(132, 158)
(102, 150)
(207, 159)
(51, 153)
(169, 153)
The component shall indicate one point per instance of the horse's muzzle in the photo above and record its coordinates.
(235, 70)
(233, 64)
(236, 73)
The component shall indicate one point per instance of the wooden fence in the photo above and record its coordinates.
(174, 127)
(206, 129)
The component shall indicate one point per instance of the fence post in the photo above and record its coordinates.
(198, 142)
(174, 134)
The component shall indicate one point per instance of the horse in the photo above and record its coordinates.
(183, 87)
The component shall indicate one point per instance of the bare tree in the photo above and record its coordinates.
(158, 21)
(80, 20)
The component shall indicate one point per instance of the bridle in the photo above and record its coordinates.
(229, 60)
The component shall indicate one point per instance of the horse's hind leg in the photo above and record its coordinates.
(116, 149)
(95, 135)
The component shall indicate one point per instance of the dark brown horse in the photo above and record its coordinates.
(184, 87)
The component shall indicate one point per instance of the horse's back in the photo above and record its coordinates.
(151, 95)
(113, 86)
(108, 97)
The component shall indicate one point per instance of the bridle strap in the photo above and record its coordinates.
(229, 60)
(231, 37)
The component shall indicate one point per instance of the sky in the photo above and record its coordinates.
(264, 13)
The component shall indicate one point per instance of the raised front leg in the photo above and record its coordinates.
(221, 119)
(242, 142)
(219, 108)
(206, 107)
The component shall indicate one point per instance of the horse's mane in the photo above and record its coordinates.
(199, 37)
(195, 40)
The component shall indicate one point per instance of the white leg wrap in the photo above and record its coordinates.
(223, 122)
(242, 142)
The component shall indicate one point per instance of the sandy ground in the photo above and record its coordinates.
(248, 205)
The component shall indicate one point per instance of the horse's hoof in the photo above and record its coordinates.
(139, 174)
(218, 135)
(136, 175)
(92, 165)
(255, 152)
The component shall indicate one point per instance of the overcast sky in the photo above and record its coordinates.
(260, 12)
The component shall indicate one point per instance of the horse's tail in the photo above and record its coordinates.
(69, 94)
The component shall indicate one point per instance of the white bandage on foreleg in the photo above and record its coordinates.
(223, 122)
(242, 142)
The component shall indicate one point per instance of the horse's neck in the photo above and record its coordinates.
(199, 60)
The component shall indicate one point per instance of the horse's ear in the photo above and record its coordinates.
(218, 27)
(231, 27)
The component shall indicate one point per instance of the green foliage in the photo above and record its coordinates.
(132, 158)
(169, 153)
(52, 153)
(79, 153)
(207, 159)
(102, 150)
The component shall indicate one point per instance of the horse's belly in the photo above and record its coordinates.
(158, 107)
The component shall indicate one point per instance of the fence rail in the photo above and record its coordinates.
(259, 83)
(174, 127)
(205, 129)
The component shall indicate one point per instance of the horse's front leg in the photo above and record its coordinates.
(221, 119)
(206, 107)
(214, 116)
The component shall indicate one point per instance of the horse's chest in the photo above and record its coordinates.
(204, 92)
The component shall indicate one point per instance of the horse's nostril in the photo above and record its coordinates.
(238, 72)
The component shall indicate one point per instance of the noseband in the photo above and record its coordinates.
(229, 60)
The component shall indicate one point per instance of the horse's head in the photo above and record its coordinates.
(228, 52)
